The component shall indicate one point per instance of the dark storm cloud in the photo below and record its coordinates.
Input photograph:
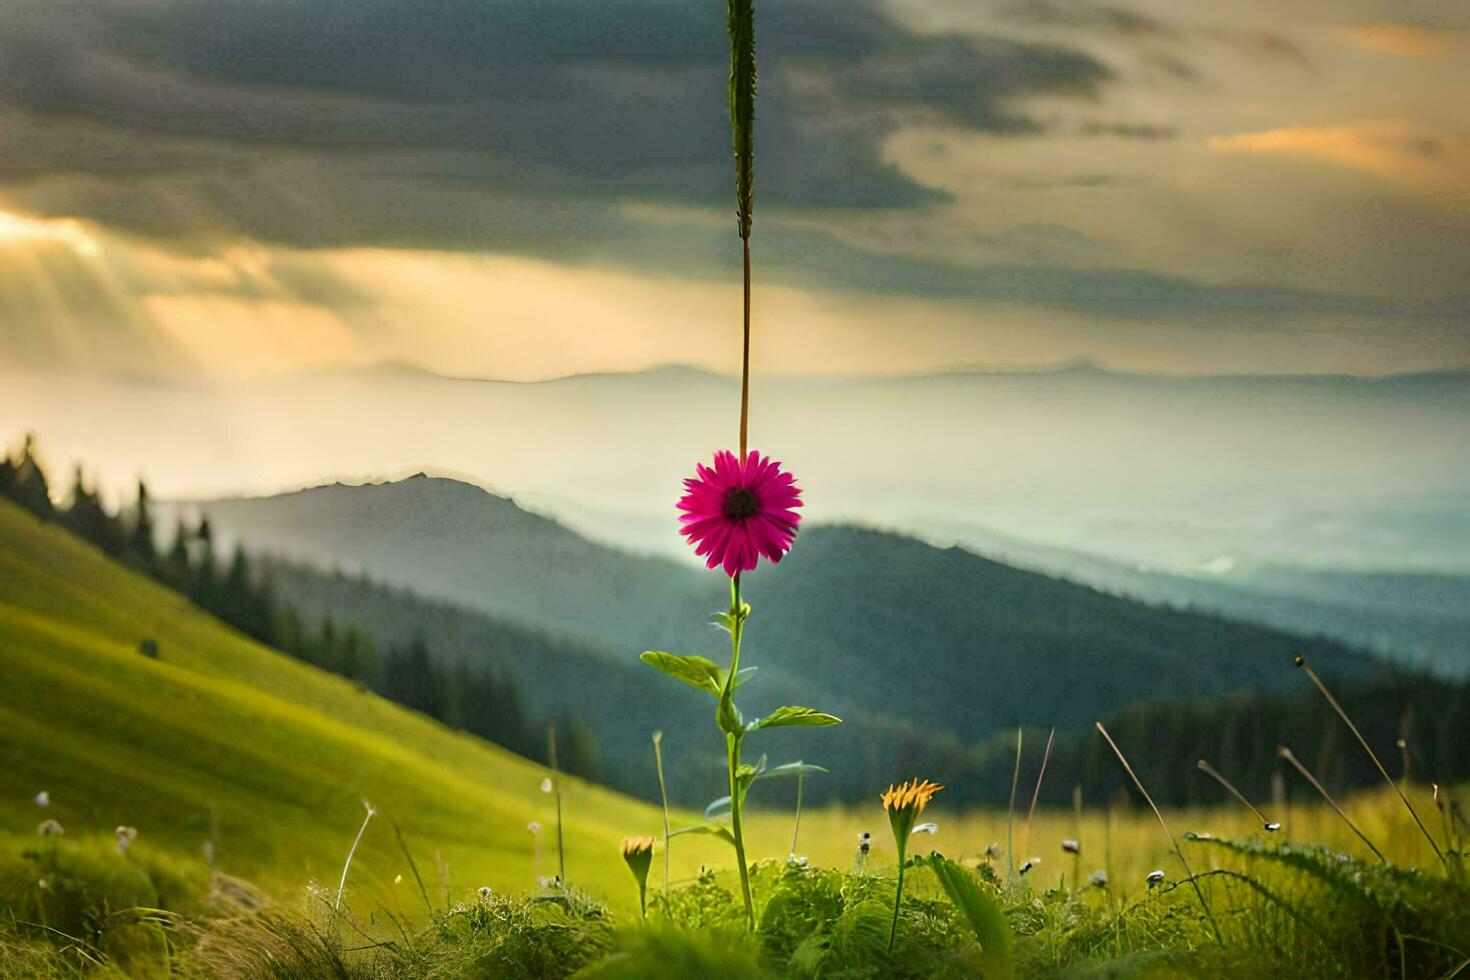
(1070, 13)
(1131, 131)
(608, 98)
(524, 125)
(1121, 294)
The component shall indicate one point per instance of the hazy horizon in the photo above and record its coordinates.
(1181, 473)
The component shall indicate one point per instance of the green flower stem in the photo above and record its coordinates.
(735, 828)
(658, 761)
(796, 832)
(732, 744)
(898, 898)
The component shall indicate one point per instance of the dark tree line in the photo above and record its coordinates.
(483, 700)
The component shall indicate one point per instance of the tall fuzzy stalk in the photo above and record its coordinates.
(741, 15)
(1296, 764)
(1077, 831)
(1011, 815)
(561, 852)
(1215, 774)
(342, 885)
(1198, 893)
(1036, 793)
(1301, 662)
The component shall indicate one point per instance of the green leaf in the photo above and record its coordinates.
(980, 910)
(788, 716)
(713, 830)
(788, 769)
(727, 621)
(741, 676)
(697, 672)
(792, 769)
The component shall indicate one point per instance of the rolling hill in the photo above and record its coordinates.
(977, 644)
(279, 753)
(1418, 619)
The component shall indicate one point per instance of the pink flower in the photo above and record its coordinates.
(735, 513)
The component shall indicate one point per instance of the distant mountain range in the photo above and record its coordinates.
(1417, 619)
(1316, 504)
(1169, 473)
(926, 644)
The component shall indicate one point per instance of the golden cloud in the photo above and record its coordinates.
(1396, 40)
(1394, 151)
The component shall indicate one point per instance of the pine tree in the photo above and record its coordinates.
(235, 594)
(176, 571)
(141, 549)
(87, 518)
(29, 486)
(204, 588)
(7, 477)
(327, 655)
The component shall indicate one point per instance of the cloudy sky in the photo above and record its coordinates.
(529, 188)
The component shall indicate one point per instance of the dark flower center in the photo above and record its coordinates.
(740, 503)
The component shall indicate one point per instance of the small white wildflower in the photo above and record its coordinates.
(546, 785)
(125, 837)
(534, 826)
(1072, 846)
(1029, 865)
(992, 850)
(792, 860)
(43, 798)
(398, 879)
(1272, 827)
(926, 828)
(1154, 877)
(43, 884)
(50, 828)
(1099, 879)
(485, 893)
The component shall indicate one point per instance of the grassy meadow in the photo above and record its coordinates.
(221, 740)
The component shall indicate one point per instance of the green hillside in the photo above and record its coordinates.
(282, 753)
